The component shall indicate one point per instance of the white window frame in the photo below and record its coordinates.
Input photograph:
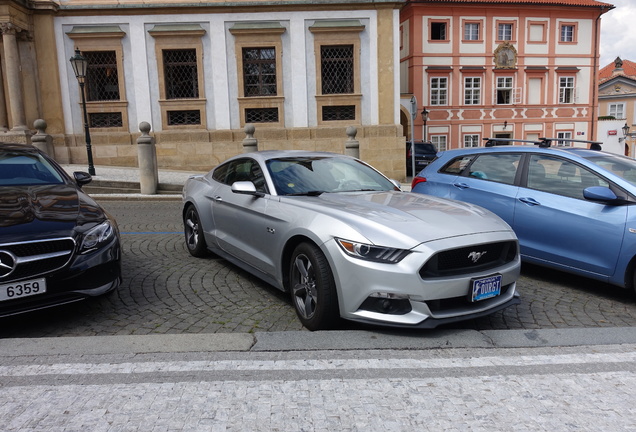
(439, 91)
(440, 142)
(617, 110)
(472, 90)
(564, 135)
(504, 31)
(503, 84)
(567, 33)
(471, 140)
(566, 89)
(471, 31)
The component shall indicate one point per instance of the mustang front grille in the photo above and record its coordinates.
(469, 259)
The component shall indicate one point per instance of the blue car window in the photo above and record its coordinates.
(560, 176)
(500, 167)
(457, 165)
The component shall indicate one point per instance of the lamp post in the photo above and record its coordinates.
(424, 119)
(80, 64)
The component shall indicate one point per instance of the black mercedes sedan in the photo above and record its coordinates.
(57, 245)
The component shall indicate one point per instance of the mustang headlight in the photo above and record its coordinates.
(96, 235)
(372, 253)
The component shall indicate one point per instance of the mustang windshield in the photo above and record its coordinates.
(312, 175)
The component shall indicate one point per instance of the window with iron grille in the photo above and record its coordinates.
(180, 74)
(334, 113)
(102, 82)
(105, 120)
(337, 69)
(261, 115)
(186, 117)
(259, 71)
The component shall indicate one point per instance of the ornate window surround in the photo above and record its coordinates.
(338, 32)
(179, 36)
(260, 34)
(104, 38)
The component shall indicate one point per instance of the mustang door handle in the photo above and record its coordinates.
(461, 185)
(217, 198)
(530, 201)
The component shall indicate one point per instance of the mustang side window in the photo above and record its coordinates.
(500, 167)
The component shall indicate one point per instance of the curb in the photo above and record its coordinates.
(345, 340)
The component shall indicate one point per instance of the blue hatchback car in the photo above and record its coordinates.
(573, 209)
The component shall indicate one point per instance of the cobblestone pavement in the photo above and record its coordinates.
(548, 389)
(166, 291)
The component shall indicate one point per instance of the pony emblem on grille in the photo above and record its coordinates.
(476, 256)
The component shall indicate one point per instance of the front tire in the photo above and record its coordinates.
(313, 289)
(193, 231)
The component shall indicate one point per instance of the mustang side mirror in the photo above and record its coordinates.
(246, 188)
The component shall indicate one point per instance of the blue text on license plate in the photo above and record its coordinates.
(485, 288)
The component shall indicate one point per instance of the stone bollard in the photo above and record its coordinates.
(41, 140)
(148, 174)
(352, 146)
(250, 144)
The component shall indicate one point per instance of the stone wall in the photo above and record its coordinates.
(200, 150)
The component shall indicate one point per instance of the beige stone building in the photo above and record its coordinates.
(198, 72)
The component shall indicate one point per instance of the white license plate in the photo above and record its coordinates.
(486, 288)
(22, 289)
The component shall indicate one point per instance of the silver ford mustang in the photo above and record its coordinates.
(347, 243)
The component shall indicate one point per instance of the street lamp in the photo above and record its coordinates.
(424, 119)
(80, 64)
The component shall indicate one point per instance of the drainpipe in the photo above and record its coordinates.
(595, 104)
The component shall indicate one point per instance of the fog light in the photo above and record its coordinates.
(387, 303)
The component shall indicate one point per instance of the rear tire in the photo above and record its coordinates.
(193, 231)
(312, 288)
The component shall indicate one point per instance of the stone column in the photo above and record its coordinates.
(3, 108)
(147, 153)
(14, 83)
(250, 144)
(41, 139)
(352, 146)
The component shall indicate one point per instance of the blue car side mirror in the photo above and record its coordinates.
(603, 194)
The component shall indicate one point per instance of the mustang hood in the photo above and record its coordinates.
(407, 218)
(44, 211)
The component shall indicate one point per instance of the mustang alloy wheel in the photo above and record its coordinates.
(312, 288)
(194, 233)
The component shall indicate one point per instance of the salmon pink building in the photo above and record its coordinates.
(520, 69)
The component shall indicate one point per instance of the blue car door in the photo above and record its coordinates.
(556, 225)
(489, 183)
